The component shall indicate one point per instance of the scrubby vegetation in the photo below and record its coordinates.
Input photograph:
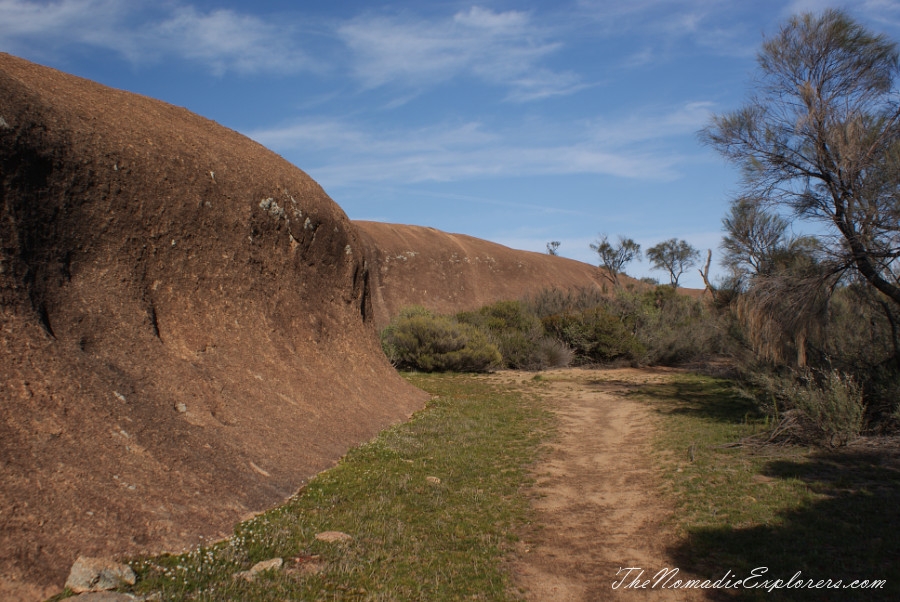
(818, 314)
(821, 362)
(558, 328)
(419, 340)
(515, 331)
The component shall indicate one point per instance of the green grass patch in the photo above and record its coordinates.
(830, 514)
(413, 538)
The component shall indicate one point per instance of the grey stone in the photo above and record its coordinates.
(98, 574)
(107, 597)
(273, 564)
(331, 536)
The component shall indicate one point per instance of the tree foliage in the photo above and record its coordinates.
(820, 137)
(757, 242)
(615, 257)
(674, 256)
(553, 247)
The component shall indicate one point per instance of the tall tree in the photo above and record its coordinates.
(757, 242)
(615, 257)
(553, 247)
(821, 138)
(752, 237)
(674, 256)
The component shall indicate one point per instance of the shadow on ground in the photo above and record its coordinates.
(851, 534)
(702, 398)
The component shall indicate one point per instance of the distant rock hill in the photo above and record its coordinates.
(185, 331)
(447, 273)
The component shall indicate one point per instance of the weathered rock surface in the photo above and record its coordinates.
(272, 564)
(184, 333)
(108, 597)
(447, 273)
(333, 536)
(98, 575)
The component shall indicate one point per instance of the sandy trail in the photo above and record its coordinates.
(596, 494)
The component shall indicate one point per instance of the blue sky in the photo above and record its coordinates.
(517, 122)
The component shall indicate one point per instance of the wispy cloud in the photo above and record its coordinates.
(877, 12)
(26, 23)
(721, 26)
(502, 48)
(652, 124)
(220, 40)
(347, 152)
(226, 40)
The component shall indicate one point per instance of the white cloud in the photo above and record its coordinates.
(511, 22)
(56, 24)
(348, 153)
(881, 13)
(661, 26)
(503, 48)
(652, 124)
(347, 139)
(225, 40)
(220, 40)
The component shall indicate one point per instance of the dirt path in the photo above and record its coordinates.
(596, 494)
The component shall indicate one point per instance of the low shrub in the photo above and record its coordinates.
(810, 407)
(553, 353)
(594, 335)
(419, 340)
(515, 330)
(553, 301)
(674, 328)
(834, 403)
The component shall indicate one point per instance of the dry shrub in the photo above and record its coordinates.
(834, 403)
(553, 301)
(811, 406)
(554, 353)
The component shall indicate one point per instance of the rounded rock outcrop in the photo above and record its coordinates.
(184, 334)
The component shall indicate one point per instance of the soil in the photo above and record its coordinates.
(596, 496)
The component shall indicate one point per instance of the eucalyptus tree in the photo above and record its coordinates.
(615, 257)
(674, 256)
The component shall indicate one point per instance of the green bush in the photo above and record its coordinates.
(594, 335)
(656, 327)
(674, 328)
(516, 332)
(419, 340)
(553, 301)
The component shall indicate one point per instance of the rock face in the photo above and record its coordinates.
(185, 335)
(447, 273)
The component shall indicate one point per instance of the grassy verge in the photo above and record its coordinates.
(413, 537)
(828, 514)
